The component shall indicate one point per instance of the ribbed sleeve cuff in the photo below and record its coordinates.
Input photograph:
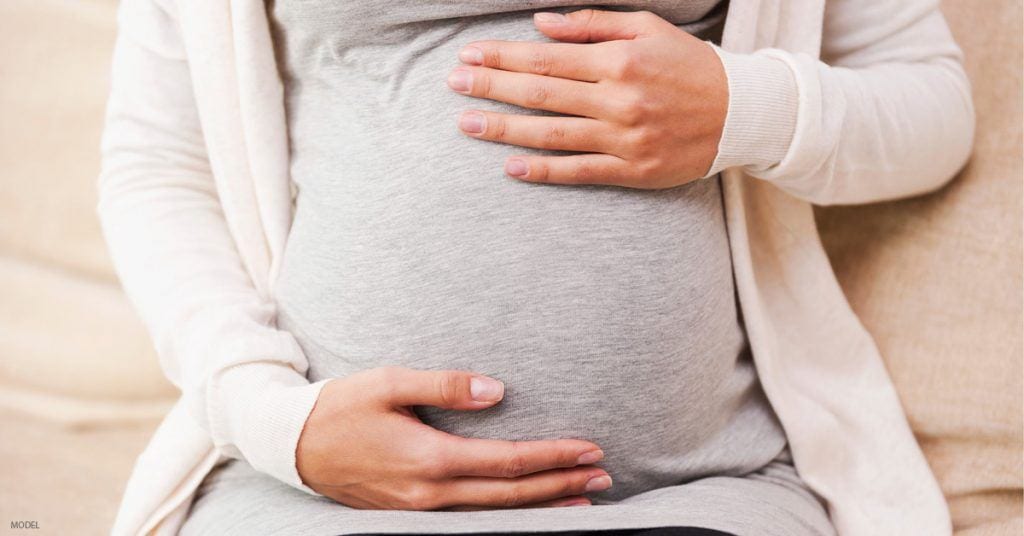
(763, 103)
(263, 408)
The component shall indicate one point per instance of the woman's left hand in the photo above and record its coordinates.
(645, 101)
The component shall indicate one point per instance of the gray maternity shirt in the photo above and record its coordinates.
(608, 312)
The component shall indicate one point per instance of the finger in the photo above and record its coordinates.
(510, 459)
(514, 492)
(450, 389)
(587, 63)
(570, 97)
(594, 25)
(573, 169)
(573, 500)
(543, 132)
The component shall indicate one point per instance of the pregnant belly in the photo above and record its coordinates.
(609, 313)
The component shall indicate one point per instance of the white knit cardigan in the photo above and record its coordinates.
(195, 204)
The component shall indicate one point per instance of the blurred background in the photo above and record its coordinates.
(937, 280)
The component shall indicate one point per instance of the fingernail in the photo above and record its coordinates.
(549, 18)
(472, 122)
(485, 389)
(589, 457)
(577, 502)
(471, 55)
(516, 167)
(460, 80)
(599, 483)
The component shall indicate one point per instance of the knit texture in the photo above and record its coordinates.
(762, 111)
(889, 115)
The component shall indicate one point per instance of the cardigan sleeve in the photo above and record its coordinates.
(215, 335)
(886, 112)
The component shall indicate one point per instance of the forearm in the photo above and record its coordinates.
(888, 116)
(177, 261)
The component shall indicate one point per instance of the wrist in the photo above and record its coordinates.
(761, 118)
(264, 406)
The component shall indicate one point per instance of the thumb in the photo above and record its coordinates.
(450, 389)
(594, 25)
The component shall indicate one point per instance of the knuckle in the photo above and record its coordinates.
(513, 467)
(582, 172)
(539, 62)
(448, 388)
(537, 95)
(513, 497)
(499, 129)
(425, 460)
(515, 464)
(567, 455)
(436, 461)
(493, 57)
(632, 109)
(647, 168)
(387, 380)
(648, 15)
(387, 372)
(587, 18)
(573, 485)
(419, 496)
(624, 63)
(640, 140)
(539, 172)
(482, 84)
(555, 135)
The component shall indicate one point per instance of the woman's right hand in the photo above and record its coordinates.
(364, 447)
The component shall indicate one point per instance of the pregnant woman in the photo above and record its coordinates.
(538, 255)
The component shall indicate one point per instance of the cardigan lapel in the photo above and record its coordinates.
(228, 77)
(261, 99)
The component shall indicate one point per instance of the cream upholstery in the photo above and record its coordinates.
(65, 328)
(937, 280)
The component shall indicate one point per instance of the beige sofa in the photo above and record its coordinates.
(937, 280)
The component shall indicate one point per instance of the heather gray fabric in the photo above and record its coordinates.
(235, 499)
(608, 312)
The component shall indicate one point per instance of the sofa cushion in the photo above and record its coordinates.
(938, 282)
